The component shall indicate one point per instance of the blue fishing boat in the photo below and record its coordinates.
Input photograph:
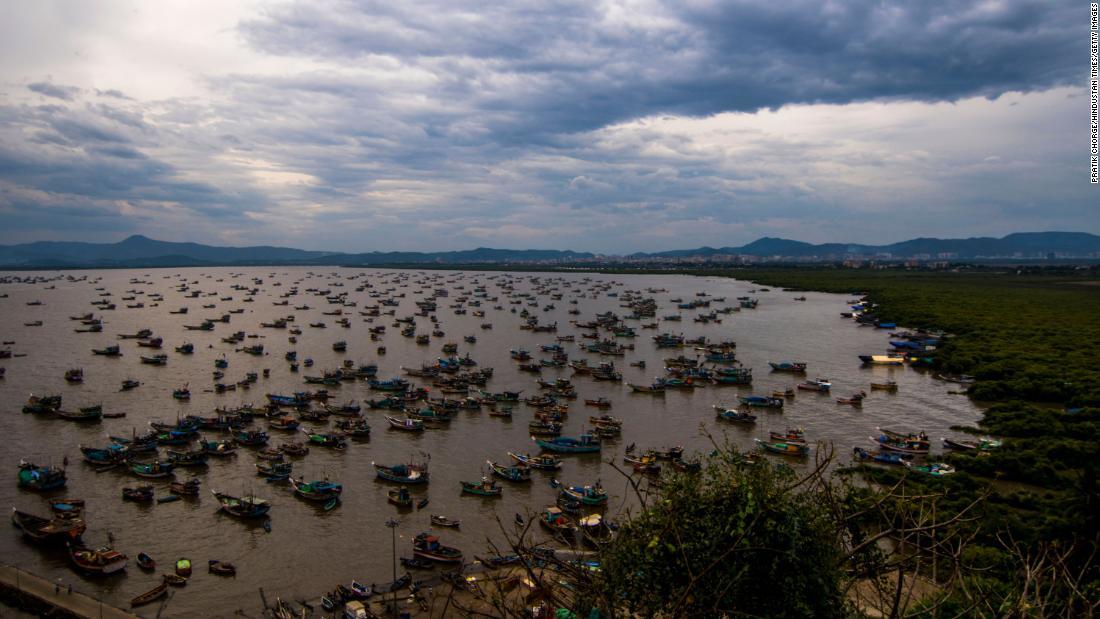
(41, 478)
(731, 376)
(113, 454)
(881, 457)
(321, 490)
(760, 401)
(587, 495)
(393, 384)
(175, 437)
(794, 367)
(732, 414)
(586, 443)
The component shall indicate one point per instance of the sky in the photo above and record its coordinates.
(610, 127)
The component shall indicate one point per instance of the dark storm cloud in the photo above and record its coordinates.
(590, 125)
(85, 160)
(65, 93)
(543, 68)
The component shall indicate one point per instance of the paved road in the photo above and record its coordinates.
(76, 602)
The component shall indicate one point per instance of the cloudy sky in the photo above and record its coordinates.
(588, 125)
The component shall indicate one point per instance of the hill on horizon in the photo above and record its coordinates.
(139, 250)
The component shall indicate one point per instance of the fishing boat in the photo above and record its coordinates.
(274, 471)
(554, 520)
(129, 384)
(983, 444)
(856, 400)
(586, 443)
(221, 568)
(416, 563)
(242, 507)
(188, 458)
(174, 579)
(400, 497)
(42, 404)
(75, 375)
(146, 562)
(798, 450)
(761, 401)
(67, 508)
(98, 561)
(545, 462)
(427, 546)
(905, 446)
(151, 595)
(485, 487)
(110, 351)
(285, 422)
(403, 473)
(656, 388)
(111, 455)
(250, 438)
(406, 424)
(185, 488)
(646, 464)
(881, 360)
(138, 494)
(793, 367)
(731, 376)
(183, 567)
(918, 437)
(889, 385)
(294, 449)
(881, 457)
(152, 470)
(443, 521)
(218, 449)
(594, 530)
(43, 530)
(933, 469)
(355, 428)
(820, 385)
(321, 490)
(324, 439)
(161, 359)
(668, 453)
(735, 415)
(587, 495)
(510, 473)
(544, 428)
(40, 478)
(792, 435)
(606, 421)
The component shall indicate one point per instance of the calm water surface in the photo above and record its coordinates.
(309, 550)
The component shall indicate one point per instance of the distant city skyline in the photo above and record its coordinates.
(610, 128)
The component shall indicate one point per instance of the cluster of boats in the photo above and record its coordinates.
(431, 395)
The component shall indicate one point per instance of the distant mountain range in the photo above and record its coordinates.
(1025, 243)
(137, 251)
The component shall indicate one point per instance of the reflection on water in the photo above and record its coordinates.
(309, 549)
